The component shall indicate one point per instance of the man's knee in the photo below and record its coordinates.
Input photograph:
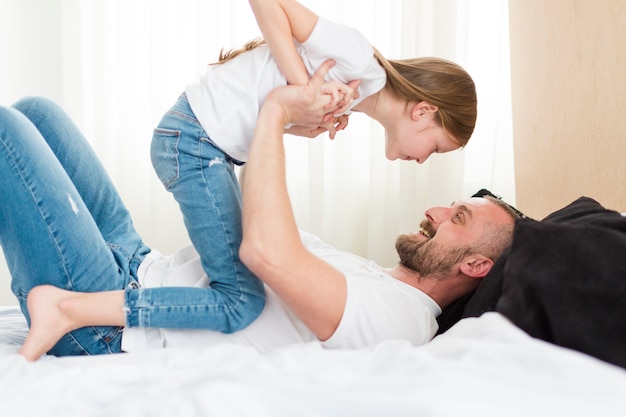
(30, 104)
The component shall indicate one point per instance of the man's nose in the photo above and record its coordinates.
(437, 215)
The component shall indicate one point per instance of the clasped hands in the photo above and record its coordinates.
(311, 108)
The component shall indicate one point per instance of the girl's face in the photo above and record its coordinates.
(416, 135)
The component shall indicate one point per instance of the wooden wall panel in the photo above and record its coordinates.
(568, 77)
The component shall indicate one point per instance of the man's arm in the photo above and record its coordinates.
(271, 245)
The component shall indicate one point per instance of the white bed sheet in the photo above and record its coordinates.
(481, 367)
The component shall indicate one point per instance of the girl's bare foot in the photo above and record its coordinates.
(48, 322)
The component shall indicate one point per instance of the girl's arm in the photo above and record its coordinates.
(280, 21)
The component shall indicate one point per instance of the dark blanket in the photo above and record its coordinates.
(562, 280)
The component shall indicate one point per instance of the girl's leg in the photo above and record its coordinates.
(47, 232)
(56, 312)
(203, 182)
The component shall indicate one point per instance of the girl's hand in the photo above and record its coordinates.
(341, 122)
(332, 127)
(306, 132)
(335, 125)
(342, 95)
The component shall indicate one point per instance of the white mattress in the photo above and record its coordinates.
(481, 367)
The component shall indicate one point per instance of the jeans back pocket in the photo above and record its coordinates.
(164, 155)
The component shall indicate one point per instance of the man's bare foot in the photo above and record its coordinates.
(48, 322)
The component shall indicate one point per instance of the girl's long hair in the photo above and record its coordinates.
(437, 81)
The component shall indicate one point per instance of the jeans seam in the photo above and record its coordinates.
(185, 116)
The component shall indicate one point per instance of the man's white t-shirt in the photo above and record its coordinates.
(226, 100)
(378, 307)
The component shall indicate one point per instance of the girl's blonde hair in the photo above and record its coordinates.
(439, 82)
(435, 80)
(226, 56)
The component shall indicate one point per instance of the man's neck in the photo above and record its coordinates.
(405, 275)
(443, 290)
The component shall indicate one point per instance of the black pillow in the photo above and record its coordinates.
(586, 213)
(566, 283)
(583, 211)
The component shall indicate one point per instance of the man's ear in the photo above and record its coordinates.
(423, 108)
(476, 266)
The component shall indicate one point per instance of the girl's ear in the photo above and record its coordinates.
(423, 108)
(476, 266)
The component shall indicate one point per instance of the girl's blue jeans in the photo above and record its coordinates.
(63, 223)
(202, 180)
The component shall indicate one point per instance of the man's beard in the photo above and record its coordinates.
(428, 258)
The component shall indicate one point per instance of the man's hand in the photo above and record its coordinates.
(319, 102)
(315, 103)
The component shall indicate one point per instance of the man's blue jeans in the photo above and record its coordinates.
(61, 220)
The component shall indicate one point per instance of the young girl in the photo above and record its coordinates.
(426, 105)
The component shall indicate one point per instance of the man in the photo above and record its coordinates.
(314, 292)
(339, 302)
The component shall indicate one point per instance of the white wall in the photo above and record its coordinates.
(18, 18)
(32, 64)
(20, 73)
(116, 67)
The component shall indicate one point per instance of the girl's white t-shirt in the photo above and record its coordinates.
(378, 307)
(227, 98)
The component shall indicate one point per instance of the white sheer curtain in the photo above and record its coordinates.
(118, 65)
